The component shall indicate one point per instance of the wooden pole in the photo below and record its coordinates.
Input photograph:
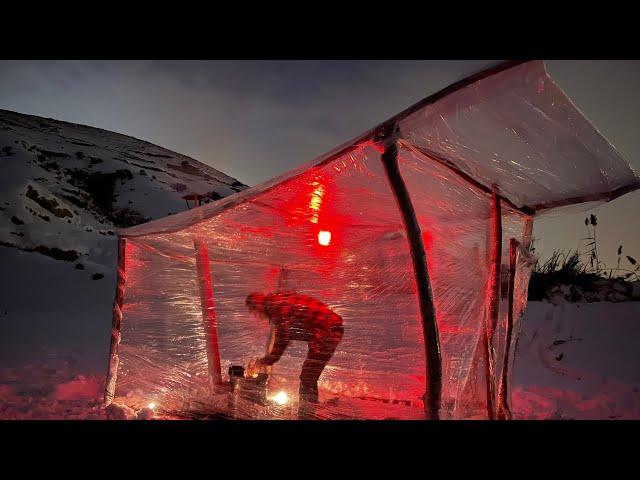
(527, 233)
(282, 279)
(504, 412)
(491, 323)
(114, 361)
(205, 282)
(425, 296)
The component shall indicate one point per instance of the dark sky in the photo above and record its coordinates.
(257, 119)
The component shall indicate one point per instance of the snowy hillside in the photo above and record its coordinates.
(65, 190)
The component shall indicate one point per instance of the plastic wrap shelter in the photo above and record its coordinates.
(416, 233)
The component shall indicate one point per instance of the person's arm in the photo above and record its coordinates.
(280, 342)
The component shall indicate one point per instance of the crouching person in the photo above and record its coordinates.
(294, 316)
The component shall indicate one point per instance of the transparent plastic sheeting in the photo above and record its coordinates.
(517, 129)
(268, 239)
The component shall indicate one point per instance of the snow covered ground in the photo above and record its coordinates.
(578, 361)
(574, 361)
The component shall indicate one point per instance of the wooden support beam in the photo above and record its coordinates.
(282, 285)
(527, 233)
(420, 270)
(493, 307)
(504, 411)
(205, 283)
(114, 361)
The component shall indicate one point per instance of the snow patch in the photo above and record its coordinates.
(80, 388)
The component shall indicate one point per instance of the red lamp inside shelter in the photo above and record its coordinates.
(318, 197)
(324, 237)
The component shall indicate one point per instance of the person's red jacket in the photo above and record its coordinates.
(297, 317)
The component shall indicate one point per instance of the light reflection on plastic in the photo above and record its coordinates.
(280, 398)
(316, 201)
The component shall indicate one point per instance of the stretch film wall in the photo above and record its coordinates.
(364, 274)
(332, 229)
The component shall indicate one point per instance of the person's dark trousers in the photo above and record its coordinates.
(320, 352)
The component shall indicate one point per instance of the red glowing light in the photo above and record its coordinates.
(316, 201)
(324, 237)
